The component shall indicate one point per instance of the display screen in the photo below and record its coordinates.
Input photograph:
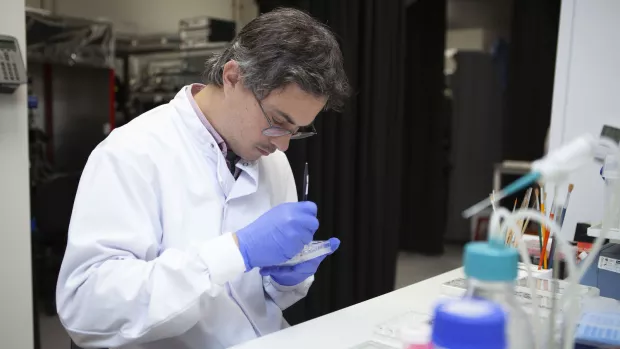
(7, 44)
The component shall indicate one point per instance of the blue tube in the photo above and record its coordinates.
(512, 188)
(521, 183)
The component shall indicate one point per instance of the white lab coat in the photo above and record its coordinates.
(150, 261)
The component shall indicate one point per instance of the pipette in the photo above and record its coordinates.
(512, 188)
(306, 183)
(554, 167)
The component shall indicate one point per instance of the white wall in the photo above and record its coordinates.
(15, 270)
(586, 93)
(147, 16)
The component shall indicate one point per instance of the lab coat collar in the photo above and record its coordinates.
(251, 167)
(247, 183)
(208, 145)
(192, 124)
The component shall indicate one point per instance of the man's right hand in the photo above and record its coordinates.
(278, 235)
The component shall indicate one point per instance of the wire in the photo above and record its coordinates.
(500, 229)
(509, 222)
(575, 273)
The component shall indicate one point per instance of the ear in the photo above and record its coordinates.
(231, 75)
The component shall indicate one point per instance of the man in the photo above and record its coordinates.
(183, 215)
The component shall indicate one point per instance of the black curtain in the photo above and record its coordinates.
(426, 130)
(531, 71)
(357, 162)
(360, 163)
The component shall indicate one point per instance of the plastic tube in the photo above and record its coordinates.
(575, 273)
(500, 230)
(566, 248)
(555, 166)
(512, 188)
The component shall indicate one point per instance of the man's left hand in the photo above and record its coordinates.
(295, 274)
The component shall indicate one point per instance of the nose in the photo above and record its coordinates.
(281, 142)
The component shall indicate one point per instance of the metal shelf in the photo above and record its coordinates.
(164, 43)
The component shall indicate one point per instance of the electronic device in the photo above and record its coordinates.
(201, 32)
(12, 69)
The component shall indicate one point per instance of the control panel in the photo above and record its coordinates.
(12, 69)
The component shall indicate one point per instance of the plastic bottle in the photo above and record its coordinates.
(491, 270)
(469, 324)
(416, 338)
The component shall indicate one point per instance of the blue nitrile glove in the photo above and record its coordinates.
(278, 235)
(295, 274)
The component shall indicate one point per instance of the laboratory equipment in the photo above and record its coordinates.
(306, 183)
(391, 332)
(605, 274)
(469, 323)
(544, 292)
(416, 337)
(312, 250)
(491, 269)
(599, 324)
(197, 32)
(512, 188)
(554, 168)
(12, 70)
(547, 290)
(599, 329)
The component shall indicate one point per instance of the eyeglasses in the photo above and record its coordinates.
(276, 131)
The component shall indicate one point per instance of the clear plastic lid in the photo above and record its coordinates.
(312, 250)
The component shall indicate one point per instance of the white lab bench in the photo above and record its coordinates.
(354, 325)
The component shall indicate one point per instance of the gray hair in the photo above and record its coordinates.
(282, 47)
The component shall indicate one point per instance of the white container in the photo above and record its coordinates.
(416, 337)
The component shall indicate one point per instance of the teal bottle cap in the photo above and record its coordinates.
(491, 261)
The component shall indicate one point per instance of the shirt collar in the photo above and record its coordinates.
(191, 91)
(205, 139)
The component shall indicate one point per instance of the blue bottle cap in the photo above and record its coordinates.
(469, 324)
(490, 261)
